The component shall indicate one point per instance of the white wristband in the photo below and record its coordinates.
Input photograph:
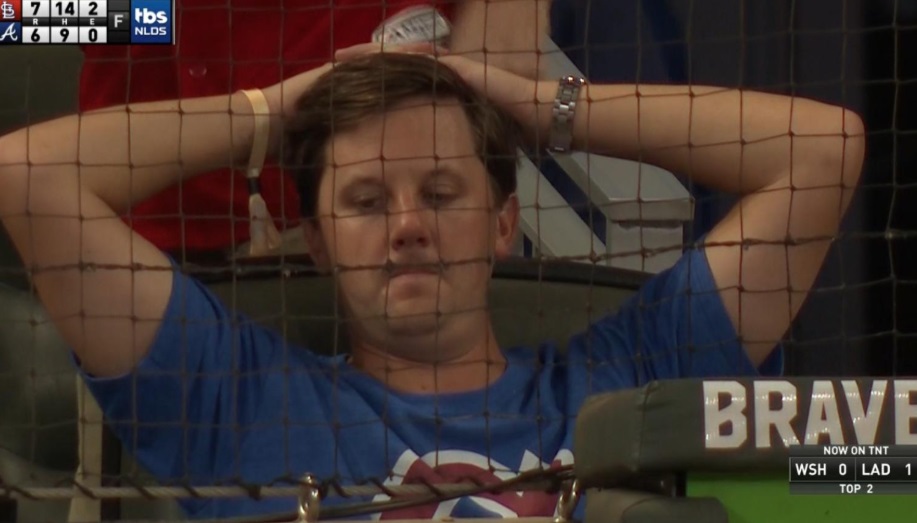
(262, 131)
(264, 234)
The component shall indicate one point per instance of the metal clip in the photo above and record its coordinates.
(567, 502)
(309, 500)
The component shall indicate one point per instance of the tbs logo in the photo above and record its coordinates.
(151, 22)
(145, 16)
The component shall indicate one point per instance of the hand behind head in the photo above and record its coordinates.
(282, 97)
(354, 51)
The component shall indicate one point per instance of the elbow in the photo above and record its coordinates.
(6, 155)
(12, 151)
(853, 150)
(835, 159)
(11, 159)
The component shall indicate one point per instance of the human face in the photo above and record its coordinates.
(407, 216)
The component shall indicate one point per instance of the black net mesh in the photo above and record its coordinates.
(274, 366)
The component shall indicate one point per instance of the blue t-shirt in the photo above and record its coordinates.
(220, 399)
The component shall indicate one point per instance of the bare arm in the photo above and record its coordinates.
(62, 186)
(794, 161)
(511, 32)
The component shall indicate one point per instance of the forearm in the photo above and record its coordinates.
(728, 140)
(502, 33)
(127, 154)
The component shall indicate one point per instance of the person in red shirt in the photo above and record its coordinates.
(222, 47)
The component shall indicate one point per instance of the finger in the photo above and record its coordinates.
(357, 50)
(428, 48)
(461, 65)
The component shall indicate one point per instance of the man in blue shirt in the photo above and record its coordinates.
(409, 198)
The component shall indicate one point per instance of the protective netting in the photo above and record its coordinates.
(231, 412)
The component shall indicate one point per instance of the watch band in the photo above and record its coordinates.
(561, 136)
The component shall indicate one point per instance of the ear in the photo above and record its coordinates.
(316, 243)
(506, 227)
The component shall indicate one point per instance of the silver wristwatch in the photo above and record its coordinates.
(561, 136)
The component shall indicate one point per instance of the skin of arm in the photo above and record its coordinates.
(795, 162)
(66, 182)
(503, 33)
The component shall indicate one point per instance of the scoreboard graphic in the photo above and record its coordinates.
(853, 469)
(87, 22)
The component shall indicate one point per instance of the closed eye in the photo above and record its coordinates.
(439, 198)
(369, 204)
(366, 199)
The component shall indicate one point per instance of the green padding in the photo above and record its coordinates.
(766, 498)
(628, 506)
(678, 425)
(656, 428)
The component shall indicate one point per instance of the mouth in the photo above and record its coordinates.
(426, 269)
(399, 274)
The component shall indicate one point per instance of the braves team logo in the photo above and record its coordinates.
(453, 466)
(9, 32)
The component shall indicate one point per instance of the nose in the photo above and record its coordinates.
(410, 225)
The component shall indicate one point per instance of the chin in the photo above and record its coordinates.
(414, 320)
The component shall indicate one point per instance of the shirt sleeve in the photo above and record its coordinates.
(676, 326)
(197, 390)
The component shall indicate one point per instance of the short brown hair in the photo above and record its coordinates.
(371, 85)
